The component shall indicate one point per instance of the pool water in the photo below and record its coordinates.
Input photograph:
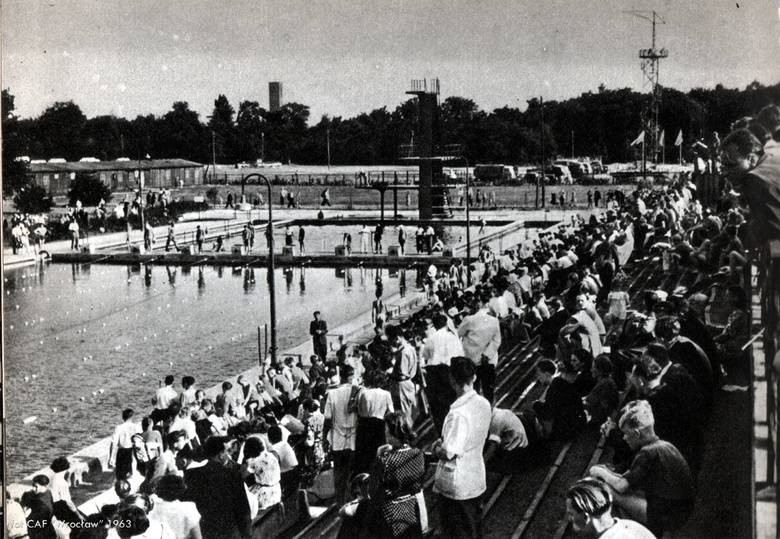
(84, 342)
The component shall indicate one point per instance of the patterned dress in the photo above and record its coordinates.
(396, 479)
(313, 454)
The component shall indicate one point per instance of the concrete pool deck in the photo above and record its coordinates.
(232, 220)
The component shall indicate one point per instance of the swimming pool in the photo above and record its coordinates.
(83, 342)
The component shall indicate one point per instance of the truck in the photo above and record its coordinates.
(494, 173)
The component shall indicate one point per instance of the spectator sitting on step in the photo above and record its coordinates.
(658, 488)
(560, 410)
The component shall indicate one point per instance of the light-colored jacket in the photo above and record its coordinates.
(465, 430)
(480, 335)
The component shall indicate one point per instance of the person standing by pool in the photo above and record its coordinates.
(148, 236)
(378, 232)
(122, 445)
(365, 234)
(402, 238)
(199, 238)
(74, 234)
(301, 239)
(171, 239)
(288, 237)
(318, 329)
(245, 237)
(348, 242)
(429, 238)
(325, 197)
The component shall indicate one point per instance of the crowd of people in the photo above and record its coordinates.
(27, 232)
(644, 373)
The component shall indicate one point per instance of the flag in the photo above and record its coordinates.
(678, 141)
(661, 138)
(639, 140)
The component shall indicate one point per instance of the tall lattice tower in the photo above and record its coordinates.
(651, 62)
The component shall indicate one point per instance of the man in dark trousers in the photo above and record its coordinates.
(199, 238)
(219, 494)
(318, 329)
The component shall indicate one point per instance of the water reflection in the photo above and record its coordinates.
(302, 281)
(288, 279)
(249, 280)
(148, 275)
(172, 271)
(201, 281)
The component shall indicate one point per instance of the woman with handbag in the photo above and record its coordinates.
(395, 507)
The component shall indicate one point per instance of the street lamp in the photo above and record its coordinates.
(468, 223)
(271, 281)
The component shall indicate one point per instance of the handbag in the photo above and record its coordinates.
(324, 486)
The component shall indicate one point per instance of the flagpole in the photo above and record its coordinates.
(680, 154)
(644, 162)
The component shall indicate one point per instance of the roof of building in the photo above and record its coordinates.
(145, 164)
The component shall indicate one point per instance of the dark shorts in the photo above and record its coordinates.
(667, 515)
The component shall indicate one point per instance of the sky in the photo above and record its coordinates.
(131, 57)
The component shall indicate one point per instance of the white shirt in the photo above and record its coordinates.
(480, 335)
(342, 433)
(179, 516)
(510, 300)
(164, 397)
(462, 476)
(287, 458)
(507, 430)
(374, 402)
(441, 347)
(626, 528)
(123, 435)
(498, 306)
(186, 424)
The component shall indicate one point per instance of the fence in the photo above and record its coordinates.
(404, 177)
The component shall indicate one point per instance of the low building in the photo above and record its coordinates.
(120, 175)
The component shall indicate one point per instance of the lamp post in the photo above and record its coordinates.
(468, 222)
(271, 281)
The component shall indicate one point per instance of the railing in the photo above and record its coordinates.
(769, 282)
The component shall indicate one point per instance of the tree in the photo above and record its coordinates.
(15, 176)
(60, 127)
(286, 131)
(88, 188)
(182, 133)
(221, 124)
(33, 199)
(249, 129)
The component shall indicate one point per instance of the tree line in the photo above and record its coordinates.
(599, 124)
